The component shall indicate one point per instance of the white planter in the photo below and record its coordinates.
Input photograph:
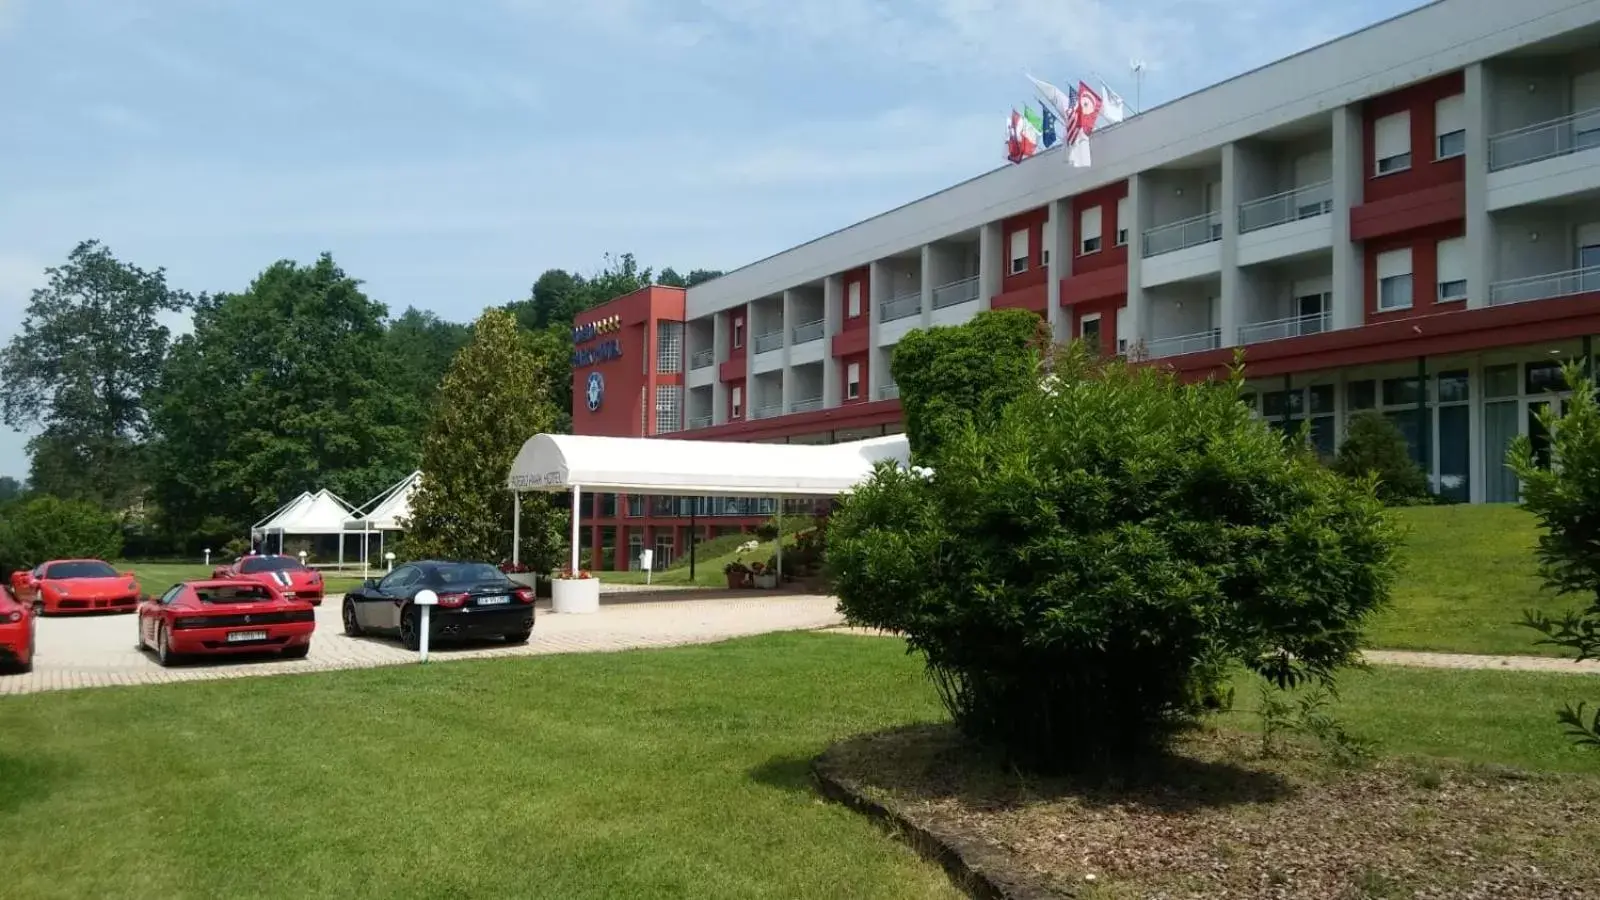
(766, 582)
(575, 595)
(526, 579)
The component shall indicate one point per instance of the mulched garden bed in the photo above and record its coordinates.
(1219, 820)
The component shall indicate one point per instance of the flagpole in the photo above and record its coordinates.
(1138, 85)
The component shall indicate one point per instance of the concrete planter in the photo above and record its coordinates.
(766, 582)
(526, 579)
(575, 595)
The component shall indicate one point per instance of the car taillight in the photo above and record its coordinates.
(524, 595)
(453, 600)
(15, 616)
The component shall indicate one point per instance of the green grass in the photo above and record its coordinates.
(1469, 573)
(156, 577)
(708, 567)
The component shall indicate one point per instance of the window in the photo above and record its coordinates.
(669, 408)
(1452, 259)
(1122, 222)
(1049, 241)
(1585, 100)
(1391, 143)
(852, 381)
(1401, 391)
(669, 347)
(1394, 280)
(1089, 330)
(1361, 395)
(1089, 232)
(1019, 251)
(852, 292)
(737, 404)
(1450, 127)
(738, 332)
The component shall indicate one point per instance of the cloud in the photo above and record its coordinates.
(10, 16)
(120, 119)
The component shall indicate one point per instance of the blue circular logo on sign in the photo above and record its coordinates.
(596, 391)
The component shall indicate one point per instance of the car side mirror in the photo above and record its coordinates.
(369, 584)
(129, 575)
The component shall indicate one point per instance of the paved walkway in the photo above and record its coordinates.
(99, 651)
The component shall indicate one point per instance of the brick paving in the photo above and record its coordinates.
(99, 651)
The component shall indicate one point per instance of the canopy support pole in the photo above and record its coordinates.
(516, 527)
(780, 542)
(366, 551)
(693, 534)
(577, 503)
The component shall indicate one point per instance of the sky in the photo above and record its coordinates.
(447, 153)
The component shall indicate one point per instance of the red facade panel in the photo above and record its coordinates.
(860, 320)
(1110, 255)
(1034, 298)
(623, 333)
(1424, 246)
(1418, 100)
(1100, 284)
(1108, 310)
(845, 362)
(1032, 222)
(1423, 208)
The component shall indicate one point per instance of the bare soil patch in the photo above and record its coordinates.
(1218, 820)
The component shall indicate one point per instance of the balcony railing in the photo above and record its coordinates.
(1209, 339)
(702, 358)
(772, 340)
(807, 405)
(1545, 287)
(1289, 206)
(901, 307)
(769, 411)
(1202, 229)
(810, 331)
(888, 391)
(700, 422)
(955, 293)
(1545, 140)
(1292, 326)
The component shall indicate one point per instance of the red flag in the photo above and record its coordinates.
(1089, 105)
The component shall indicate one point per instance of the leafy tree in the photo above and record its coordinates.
(421, 345)
(279, 389)
(495, 396)
(1374, 446)
(47, 527)
(82, 366)
(10, 489)
(1564, 495)
(669, 277)
(1078, 568)
(964, 373)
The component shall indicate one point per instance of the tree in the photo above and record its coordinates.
(495, 396)
(1374, 446)
(422, 346)
(1079, 567)
(964, 374)
(82, 367)
(669, 277)
(282, 388)
(47, 527)
(1563, 493)
(10, 489)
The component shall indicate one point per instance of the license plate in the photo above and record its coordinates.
(495, 600)
(239, 636)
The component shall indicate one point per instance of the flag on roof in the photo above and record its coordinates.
(1022, 139)
(1049, 133)
(1063, 103)
(1113, 108)
(1089, 106)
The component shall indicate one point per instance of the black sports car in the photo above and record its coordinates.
(475, 600)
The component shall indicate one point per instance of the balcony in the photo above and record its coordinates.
(1545, 287)
(1181, 235)
(702, 358)
(1545, 140)
(772, 340)
(901, 307)
(955, 293)
(700, 422)
(1210, 339)
(890, 391)
(807, 405)
(1289, 206)
(810, 331)
(771, 410)
(1278, 329)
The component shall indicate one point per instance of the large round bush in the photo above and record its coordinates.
(1076, 570)
(45, 528)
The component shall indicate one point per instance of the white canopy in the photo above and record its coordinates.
(556, 462)
(319, 513)
(284, 512)
(386, 511)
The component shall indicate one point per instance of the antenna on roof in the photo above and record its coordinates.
(1137, 67)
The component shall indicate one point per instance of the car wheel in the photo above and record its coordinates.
(408, 629)
(348, 613)
(297, 652)
(164, 654)
(518, 637)
(139, 644)
(38, 607)
(33, 647)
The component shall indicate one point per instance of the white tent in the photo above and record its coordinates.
(561, 462)
(308, 514)
(383, 513)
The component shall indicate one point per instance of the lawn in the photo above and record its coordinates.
(670, 773)
(1469, 572)
(156, 577)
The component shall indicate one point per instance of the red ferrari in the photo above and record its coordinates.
(16, 634)
(288, 575)
(76, 586)
(220, 617)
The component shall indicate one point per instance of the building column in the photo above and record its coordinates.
(1349, 181)
(877, 286)
(929, 269)
(1060, 267)
(1481, 241)
(1136, 324)
(991, 264)
(832, 323)
(786, 378)
(720, 339)
(1230, 305)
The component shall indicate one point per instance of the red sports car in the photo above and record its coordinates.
(289, 575)
(219, 617)
(76, 586)
(16, 634)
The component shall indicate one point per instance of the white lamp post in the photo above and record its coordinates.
(302, 557)
(425, 600)
(208, 556)
(389, 558)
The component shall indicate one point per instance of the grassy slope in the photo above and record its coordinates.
(156, 577)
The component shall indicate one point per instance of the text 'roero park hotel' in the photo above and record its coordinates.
(1406, 219)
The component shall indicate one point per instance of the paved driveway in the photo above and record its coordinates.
(99, 651)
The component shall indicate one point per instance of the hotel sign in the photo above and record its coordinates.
(605, 351)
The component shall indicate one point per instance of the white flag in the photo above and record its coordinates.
(1112, 107)
(1066, 107)
(1078, 152)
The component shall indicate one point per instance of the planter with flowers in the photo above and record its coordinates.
(738, 575)
(521, 573)
(574, 591)
(763, 576)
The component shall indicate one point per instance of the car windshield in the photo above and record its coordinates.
(455, 574)
(88, 569)
(234, 593)
(269, 564)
